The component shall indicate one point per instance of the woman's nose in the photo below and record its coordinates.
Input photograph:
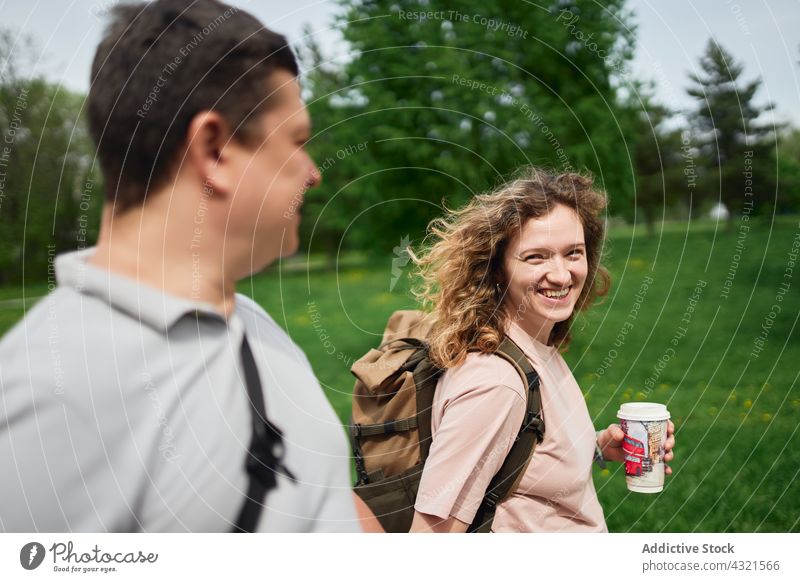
(559, 273)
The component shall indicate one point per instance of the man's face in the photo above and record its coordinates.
(265, 207)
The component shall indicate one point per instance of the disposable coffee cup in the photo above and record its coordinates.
(645, 428)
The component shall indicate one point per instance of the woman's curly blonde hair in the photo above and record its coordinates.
(460, 272)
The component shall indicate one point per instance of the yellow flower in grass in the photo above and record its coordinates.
(383, 298)
(748, 404)
(766, 417)
(637, 263)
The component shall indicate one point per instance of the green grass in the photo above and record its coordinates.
(737, 460)
(738, 452)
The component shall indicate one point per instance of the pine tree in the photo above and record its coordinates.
(738, 151)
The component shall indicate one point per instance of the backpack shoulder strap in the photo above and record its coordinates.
(426, 377)
(530, 433)
(264, 458)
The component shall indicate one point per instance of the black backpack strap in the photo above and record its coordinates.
(264, 459)
(531, 432)
(426, 376)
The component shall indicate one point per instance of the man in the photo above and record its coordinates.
(130, 393)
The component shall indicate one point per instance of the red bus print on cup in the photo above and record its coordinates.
(634, 454)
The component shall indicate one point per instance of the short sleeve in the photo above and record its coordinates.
(480, 407)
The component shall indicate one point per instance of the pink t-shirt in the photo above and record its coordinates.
(477, 411)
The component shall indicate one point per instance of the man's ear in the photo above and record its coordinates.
(208, 150)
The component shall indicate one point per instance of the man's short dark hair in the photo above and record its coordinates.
(159, 65)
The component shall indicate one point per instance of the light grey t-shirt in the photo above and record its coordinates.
(125, 409)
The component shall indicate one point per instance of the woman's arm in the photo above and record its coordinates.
(424, 523)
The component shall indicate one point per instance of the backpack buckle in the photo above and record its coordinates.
(265, 457)
(491, 499)
(534, 422)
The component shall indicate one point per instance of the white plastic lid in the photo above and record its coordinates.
(643, 411)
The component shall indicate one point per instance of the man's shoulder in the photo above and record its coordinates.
(261, 328)
(35, 327)
(247, 307)
(259, 323)
(69, 339)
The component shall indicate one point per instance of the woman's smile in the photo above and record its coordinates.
(556, 297)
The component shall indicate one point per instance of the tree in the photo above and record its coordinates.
(48, 195)
(738, 150)
(450, 101)
(659, 158)
(788, 157)
(337, 148)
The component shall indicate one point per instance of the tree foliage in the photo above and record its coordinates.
(451, 98)
(788, 164)
(48, 198)
(663, 179)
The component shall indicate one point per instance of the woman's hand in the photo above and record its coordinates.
(610, 441)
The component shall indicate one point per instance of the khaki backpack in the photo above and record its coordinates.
(390, 427)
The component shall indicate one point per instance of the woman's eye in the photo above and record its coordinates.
(534, 257)
(576, 253)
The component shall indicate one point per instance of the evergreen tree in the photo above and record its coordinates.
(738, 150)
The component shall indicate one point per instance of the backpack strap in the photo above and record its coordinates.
(264, 458)
(531, 432)
(383, 428)
(426, 376)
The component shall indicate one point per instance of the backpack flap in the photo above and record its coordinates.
(407, 324)
(390, 424)
(383, 425)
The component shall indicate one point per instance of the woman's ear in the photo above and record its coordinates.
(208, 151)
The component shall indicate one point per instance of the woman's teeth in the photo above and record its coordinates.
(555, 294)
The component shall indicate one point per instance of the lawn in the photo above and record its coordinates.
(689, 322)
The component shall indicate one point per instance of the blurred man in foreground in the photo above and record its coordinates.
(144, 393)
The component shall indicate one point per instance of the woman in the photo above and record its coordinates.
(518, 262)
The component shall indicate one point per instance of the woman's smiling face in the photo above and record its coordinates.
(545, 268)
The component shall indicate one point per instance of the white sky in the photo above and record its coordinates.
(764, 35)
